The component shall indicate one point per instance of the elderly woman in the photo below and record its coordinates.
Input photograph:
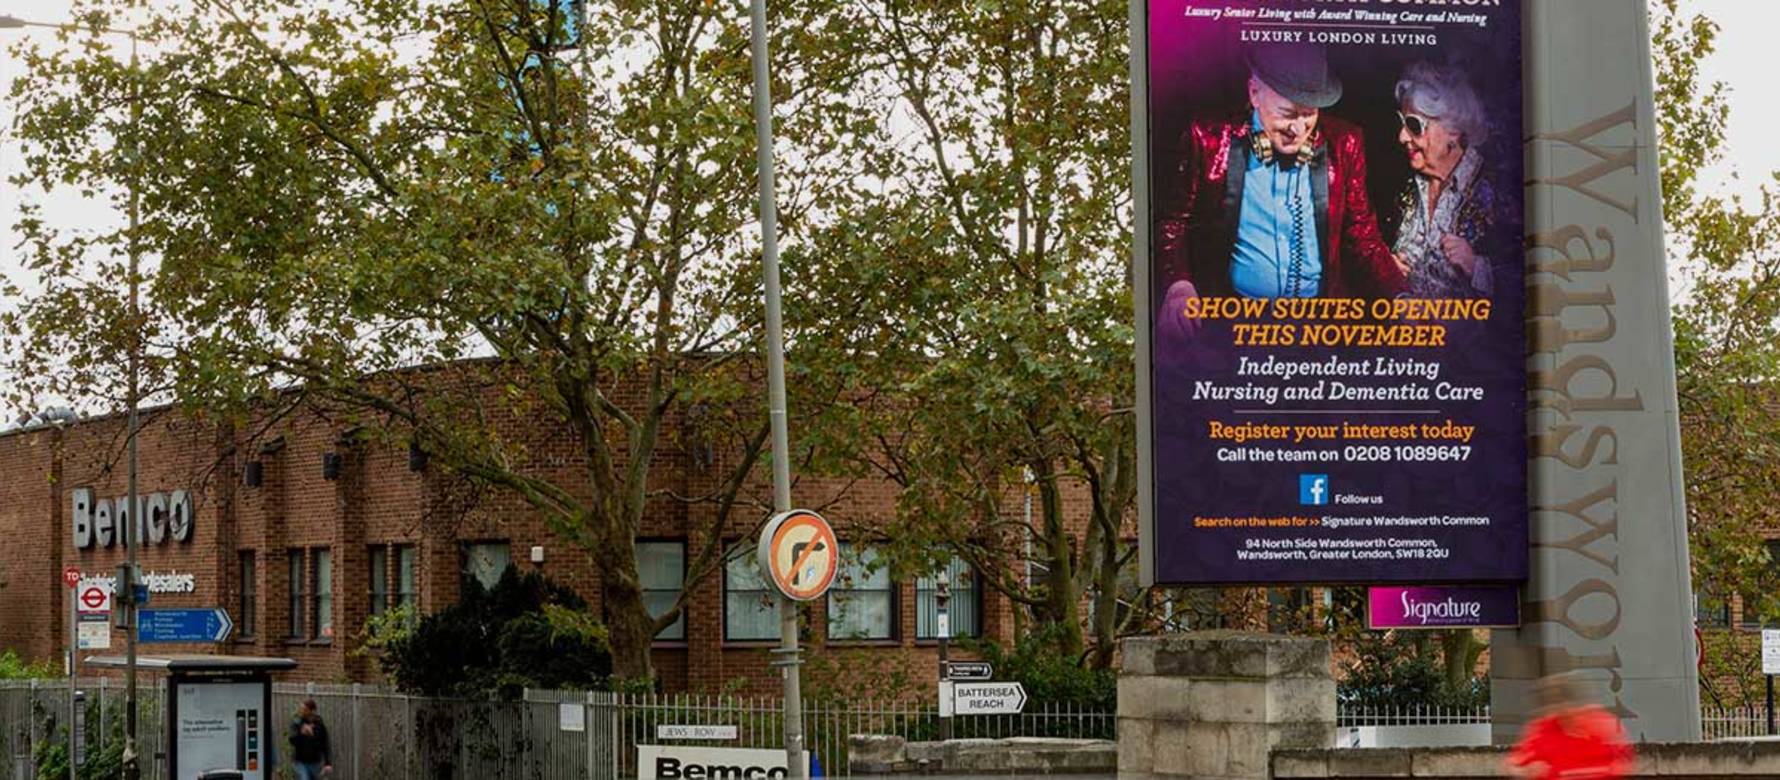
(1449, 209)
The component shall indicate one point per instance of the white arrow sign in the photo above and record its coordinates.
(988, 698)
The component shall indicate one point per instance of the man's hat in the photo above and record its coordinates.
(1298, 72)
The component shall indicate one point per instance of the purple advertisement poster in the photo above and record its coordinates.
(1335, 278)
(1490, 606)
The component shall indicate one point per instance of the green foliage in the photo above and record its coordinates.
(384, 630)
(1051, 679)
(104, 748)
(14, 668)
(995, 267)
(1731, 675)
(1726, 252)
(1386, 679)
(352, 200)
(104, 762)
(526, 632)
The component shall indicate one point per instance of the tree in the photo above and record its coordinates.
(1724, 251)
(345, 202)
(999, 246)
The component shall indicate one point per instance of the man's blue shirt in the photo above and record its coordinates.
(1278, 221)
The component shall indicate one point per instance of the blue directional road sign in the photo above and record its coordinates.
(183, 625)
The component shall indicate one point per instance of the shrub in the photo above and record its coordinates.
(526, 632)
(1050, 678)
(14, 668)
(1389, 675)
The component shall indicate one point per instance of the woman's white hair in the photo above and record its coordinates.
(1442, 92)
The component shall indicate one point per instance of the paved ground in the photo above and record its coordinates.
(1013, 777)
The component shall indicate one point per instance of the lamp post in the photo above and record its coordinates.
(126, 584)
(797, 766)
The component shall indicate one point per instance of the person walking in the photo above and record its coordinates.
(310, 751)
(1571, 739)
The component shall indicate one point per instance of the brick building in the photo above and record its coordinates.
(302, 531)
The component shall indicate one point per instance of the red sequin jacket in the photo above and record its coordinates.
(1196, 236)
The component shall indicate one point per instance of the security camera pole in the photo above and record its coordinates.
(775, 373)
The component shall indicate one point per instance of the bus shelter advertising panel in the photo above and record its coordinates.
(1333, 288)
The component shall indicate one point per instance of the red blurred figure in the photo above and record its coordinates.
(1571, 739)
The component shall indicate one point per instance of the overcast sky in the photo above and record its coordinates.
(1744, 61)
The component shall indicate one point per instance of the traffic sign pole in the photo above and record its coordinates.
(1770, 666)
(73, 588)
(943, 596)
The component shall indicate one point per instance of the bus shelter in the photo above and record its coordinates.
(219, 713)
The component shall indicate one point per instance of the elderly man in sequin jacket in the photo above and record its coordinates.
(1273, 204)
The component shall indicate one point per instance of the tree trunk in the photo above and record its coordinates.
(1062, 599)
(1106, 619)
(1460, 649)
(632, 630)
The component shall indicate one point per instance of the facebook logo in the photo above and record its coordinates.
(1313, 489)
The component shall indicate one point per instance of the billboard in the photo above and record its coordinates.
(1331, 298)
(222, 724)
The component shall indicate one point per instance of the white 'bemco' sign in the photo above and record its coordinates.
(662, 762)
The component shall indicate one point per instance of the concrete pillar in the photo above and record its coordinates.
(1610, 598)
(1212, 705)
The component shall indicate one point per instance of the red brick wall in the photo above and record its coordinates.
(32, 602)
(378, 500)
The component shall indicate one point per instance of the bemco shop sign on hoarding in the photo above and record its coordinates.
(662, 762)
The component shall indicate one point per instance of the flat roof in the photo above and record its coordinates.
(196, 662)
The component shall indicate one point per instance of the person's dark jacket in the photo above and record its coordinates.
(310, 748)
(1196, 236)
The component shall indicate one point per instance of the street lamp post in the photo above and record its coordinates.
(126, 584)
(797, 766)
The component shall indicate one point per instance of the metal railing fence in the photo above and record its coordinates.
(34, 716)
(1733, 722)
(379, 734)
(1347, 716)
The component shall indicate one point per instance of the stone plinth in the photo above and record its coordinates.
(1213, 705)
(876, 754)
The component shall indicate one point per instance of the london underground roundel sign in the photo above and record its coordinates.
(799, 554)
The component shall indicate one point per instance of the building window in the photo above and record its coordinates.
(1711, 611)
(379, 565)
(485, 562)
(862, 602)
(324, 593)
(299, 578)
(245, 612)
(964, 609)
(749, 610)
(407, 592)
(661, 566)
